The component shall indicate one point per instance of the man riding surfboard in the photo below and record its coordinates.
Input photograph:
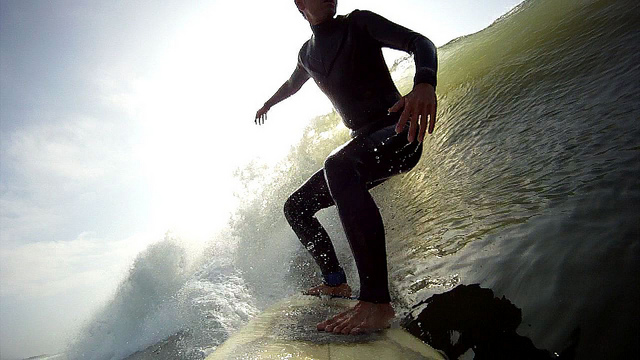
(344, 58)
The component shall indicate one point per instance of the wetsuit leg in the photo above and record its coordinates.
(300, 210)
(350, 172)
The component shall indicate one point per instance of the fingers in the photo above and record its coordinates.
(404, 117)
(423, 126)
(420, 110)
(397, 106)
(432, 117)
(413, 126)
(426, 118)
(414, 109)
(261, 116)
(416, 112)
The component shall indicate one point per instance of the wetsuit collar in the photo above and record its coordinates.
(325, 28)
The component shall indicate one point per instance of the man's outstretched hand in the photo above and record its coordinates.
(261, 115)
(418, 106)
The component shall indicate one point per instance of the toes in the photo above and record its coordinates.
(339, 326)
(335, 326)
(355, 325)
(348, 324)
(353, 321)
(359, 329)
(326, 325)
(330, 328)
(321, 326)
(346, 329)
(316, 290)
(329, 324)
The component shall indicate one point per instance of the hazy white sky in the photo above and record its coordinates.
(120, 120)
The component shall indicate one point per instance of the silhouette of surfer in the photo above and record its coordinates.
(344, 58)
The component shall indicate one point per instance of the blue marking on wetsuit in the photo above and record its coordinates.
(335, 279)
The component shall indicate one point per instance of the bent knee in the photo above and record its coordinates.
(340, 171)
(297, 207)
(337, 164)
(291, 208)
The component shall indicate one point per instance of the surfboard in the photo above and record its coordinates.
(287, 330)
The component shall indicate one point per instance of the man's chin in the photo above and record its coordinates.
(331, 7)
(331, 13)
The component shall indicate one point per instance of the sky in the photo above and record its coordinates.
(121, 120)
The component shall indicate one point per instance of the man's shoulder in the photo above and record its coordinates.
(360, 15)
(363, 18)
(303, 48)
(303, 52)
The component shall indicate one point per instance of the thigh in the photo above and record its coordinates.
(314, 193)
(380, 155)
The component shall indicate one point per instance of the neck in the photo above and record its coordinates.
(323, 27)
(313, 21)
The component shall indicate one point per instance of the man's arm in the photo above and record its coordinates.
(290, 87)
(420, 104)
(394, 36)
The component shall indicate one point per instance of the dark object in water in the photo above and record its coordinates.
(470, 317)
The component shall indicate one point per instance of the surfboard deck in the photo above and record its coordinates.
(287, 330)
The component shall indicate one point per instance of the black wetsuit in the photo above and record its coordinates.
(344, 57)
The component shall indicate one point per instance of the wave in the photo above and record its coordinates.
(189, 306)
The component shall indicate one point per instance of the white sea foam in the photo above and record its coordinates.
(164, 294)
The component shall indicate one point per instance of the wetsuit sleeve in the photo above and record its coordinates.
(291, 86)
(299, 76)
(394, 36)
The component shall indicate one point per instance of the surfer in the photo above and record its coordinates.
(344, 58)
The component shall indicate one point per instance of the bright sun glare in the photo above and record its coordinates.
(197, 118)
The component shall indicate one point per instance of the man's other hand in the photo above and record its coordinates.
(418, 106)
(261, 115)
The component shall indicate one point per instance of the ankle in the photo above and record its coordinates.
(379, 306)
(335, 278)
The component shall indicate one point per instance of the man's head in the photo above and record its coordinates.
(317, 11)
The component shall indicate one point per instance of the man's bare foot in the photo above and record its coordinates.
(363, 318)
(342, 290)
